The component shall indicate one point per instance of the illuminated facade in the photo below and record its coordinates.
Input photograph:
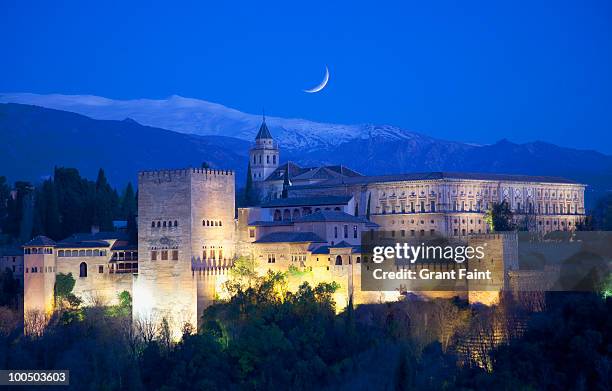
(309, 223)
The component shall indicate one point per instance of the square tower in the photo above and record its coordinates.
(185, 217)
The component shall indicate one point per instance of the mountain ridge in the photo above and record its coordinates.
(123, 147)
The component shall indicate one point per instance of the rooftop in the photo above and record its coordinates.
(263, 131)
(260, 223)
(437, 176)
(307, 201)
(297, 173)
(332, 216)
(83, 244)
(290, 237)
(40, 241)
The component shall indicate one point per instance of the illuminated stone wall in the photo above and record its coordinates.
(97, 288)
(201, 201)
(39, 281)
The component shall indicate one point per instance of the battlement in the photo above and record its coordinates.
(182, 172)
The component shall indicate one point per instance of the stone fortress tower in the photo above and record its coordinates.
(185, 224)
(264, 155)
(39, 279)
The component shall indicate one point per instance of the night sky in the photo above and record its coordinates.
(459, 70)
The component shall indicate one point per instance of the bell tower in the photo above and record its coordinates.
(264, 155)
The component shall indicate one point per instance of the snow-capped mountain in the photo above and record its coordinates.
(194, 116)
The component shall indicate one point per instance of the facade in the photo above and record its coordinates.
(102, 264)
(309, 223)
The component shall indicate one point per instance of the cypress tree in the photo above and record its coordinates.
(248, 188)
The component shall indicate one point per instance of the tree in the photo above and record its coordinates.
(5, 193)
(128, 202)
(104, 200)
(47, 219)
(500, 217)
(249, 196)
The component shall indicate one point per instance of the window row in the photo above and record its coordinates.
(82, 253)
(212, 254)
(345, 232)
(163, 255)
(36, 269)
(288, 214)
(35, 250)
(268, 160)
(212, 223)
(164, 224)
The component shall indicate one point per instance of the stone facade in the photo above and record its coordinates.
(190, 232)
(186, 223)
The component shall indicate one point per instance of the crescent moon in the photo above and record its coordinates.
(320, 86)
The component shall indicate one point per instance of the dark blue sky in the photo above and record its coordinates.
(459, 70)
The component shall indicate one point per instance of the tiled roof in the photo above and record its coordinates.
(307, 201)
(83, 244)
(290, 237)
(297, 173)
(325, 249)
(40, 241)
(279, 173)
(125, 247)
(263, 131)
(436, 176)
(331, 215)
(270, 223)
(342, 244)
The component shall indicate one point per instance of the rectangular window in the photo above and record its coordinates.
(432, 206)
(422, 206)
(403, 232)
(154, 255)
(251, 233)
(354, 232)
(164, 255)
(100, 269)
(345, 231)
(175, 255)
(336, 232)
(412, 207)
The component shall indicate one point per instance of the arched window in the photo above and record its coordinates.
(296, 214)
(338, 260)
(277, 215)
(152, 224)
(286, 215)
(175, 223)
(220, 223)
(158, 224)
(358, 260)
(83, 269)
(164, 224)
